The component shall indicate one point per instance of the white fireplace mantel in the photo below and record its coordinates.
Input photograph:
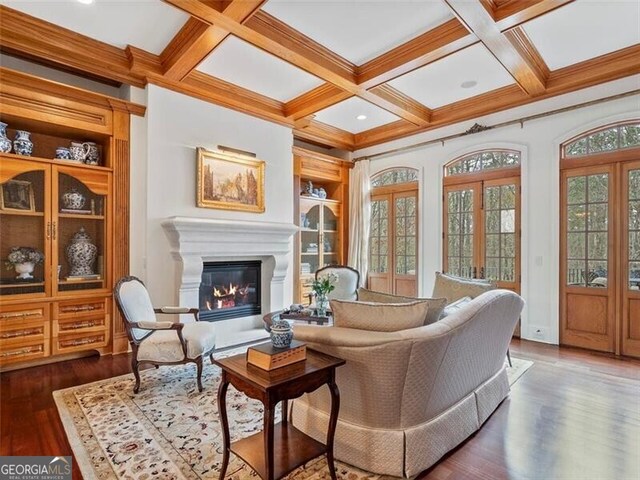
(198, 240)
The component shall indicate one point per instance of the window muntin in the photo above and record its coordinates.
(394, 176)
(605, 140)
(484, 160)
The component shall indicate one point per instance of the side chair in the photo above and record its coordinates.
(161, 343)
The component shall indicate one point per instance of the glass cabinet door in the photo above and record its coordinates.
(330, 236)
(81, 213)
(310, 227)
(24, 227)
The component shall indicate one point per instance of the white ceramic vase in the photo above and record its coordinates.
(24, 270)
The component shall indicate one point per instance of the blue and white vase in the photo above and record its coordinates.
(22, 145)
(5, 143)
(81, 254)
(281, 334)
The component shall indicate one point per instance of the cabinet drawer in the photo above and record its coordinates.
(31, 349)
(22, 313)
(12, 335)
(79, 342)
(73, 309)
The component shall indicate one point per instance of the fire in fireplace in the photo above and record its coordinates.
(230, 290)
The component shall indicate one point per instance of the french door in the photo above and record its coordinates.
(600, 258)
(393, 241)
(482, 231)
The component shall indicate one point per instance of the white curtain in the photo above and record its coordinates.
(359, 218)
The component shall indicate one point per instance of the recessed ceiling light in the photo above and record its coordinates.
(361, 117)
(86, 2)
(469, 84)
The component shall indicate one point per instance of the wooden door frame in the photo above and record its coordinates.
(628, 345)
(404, 193)
(512, 180)
(612, 262)
(389, 192)
(476, 188)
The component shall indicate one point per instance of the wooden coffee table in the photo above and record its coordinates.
(278, 449)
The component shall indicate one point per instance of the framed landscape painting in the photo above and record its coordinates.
(230, 182)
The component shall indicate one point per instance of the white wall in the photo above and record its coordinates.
(539, 142)
(163, 175)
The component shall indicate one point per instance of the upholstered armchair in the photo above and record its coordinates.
(161, 343)
(347, 284)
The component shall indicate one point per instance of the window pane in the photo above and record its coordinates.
(508, 196)
(507, 270)
(598, 188)
(492, 246)
(634, 275)
(629, 135)
(634, 229)
(597, 246)
(598, 217)
(492, 221)
(576, 246)
(466, 220)
(576, 190)
(467, 245)
(577, 148)
(492, 198)
(575, 272)
(485, 160)
(508, 245)
(634, 185)
(508, 221)
(492, 268)
(453, 246)
(606, 140)
(394, 176)
(577, 218)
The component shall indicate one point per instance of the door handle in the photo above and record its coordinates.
(48, 230)
(481, 272)
(53, 230)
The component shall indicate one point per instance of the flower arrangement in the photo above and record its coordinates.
(19, 255)
(324, 284)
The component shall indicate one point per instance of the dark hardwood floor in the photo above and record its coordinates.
(574, 415)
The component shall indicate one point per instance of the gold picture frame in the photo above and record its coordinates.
(229, 181)
(17, 196)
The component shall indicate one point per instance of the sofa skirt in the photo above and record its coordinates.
(405, 452)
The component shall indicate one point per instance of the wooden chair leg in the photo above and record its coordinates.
(136, 373)
(509, 358)
(199, 367)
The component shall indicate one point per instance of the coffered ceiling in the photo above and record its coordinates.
(347, 74)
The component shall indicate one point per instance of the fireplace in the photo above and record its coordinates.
(230, 290)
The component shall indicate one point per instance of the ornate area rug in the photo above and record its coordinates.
(169, 430)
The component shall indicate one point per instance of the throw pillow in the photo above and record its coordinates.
(378, 317)
(436, 305)
(455, 306)
(453, 288)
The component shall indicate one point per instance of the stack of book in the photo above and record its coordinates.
(267, 357)
(78, 212)
(83, 278)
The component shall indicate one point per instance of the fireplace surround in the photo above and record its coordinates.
(196, 241)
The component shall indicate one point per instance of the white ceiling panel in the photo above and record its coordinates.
(440, 83)
(242, 64)
(146, 24)
(585, 29)
(344, 115)
(360, 30)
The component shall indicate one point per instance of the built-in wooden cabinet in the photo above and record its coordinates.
(322, 239)
(60, 312)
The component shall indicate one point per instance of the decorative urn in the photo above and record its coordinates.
(81, 254)
(5, 143)
(22, 145)
(281, 334)
(73, 200)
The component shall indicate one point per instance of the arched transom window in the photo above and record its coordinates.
(605, 140)
(394, 176)
(483, 160)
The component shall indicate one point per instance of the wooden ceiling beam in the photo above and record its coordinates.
(315, 100)
(38, 39)
(277, 38)
(479, 21)
(197, 39)
(406, 107)
(433, 45)
(517, 12)
(603, 69)
(318, 132)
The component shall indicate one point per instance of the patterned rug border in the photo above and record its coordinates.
(82, 454)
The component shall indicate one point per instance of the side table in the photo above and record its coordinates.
(281, 448)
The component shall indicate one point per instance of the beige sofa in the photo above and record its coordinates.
(408, 397)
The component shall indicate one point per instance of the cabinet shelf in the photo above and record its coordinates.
(81, 216)
(22, 285)
(79, 282)
(310, 253)
(22, 214)
(54, 161)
